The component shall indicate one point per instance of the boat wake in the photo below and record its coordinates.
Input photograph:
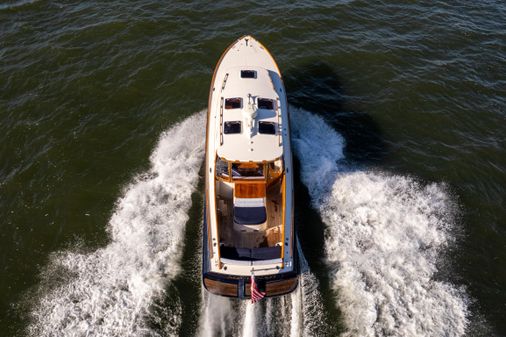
(112, 291)
(384, 235)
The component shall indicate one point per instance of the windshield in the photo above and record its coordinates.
(247, 170)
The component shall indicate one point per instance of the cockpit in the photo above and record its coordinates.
(250, 203)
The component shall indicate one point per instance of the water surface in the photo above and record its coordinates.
(416, 93)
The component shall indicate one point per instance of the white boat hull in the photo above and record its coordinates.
(248, 223)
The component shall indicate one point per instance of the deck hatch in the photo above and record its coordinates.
(265, 103)
(232, 127)
(248, 74)
(233, 103)
(267, 128)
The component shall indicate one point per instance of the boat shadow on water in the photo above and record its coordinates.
(316, 88)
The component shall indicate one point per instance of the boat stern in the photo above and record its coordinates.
(240, 286)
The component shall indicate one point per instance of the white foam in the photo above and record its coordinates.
(249, 328)
(383, 238)
(109, 292)
(219, 316)
(312, 321)
(295, 322)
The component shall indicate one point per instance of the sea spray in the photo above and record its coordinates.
(109, 292)
(384, 234)
(308, 298)
(220, 316)
(249, 328)
(296, 314)
(384, 241)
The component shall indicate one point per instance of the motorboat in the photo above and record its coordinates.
(248, 226)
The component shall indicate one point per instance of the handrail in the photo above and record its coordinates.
(221, 121)
(280, 131)
(217, 228)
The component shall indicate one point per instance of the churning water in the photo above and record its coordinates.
(110, 291)
(384, 235)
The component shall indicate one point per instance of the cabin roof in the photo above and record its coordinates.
(259, 115)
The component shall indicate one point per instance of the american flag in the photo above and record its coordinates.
(256, 295)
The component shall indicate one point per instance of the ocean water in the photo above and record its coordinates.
(398, 114)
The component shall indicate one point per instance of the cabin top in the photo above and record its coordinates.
(250, 111)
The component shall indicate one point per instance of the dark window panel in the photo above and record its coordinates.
(248, 74)
(233, 103)
(265, 103)
(267, 128)
(232, 127)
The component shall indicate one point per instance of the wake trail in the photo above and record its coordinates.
(109, 292)
(384, 236)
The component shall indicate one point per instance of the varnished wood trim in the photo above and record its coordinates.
(221, 288)
(275, 288)
(281, 287)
